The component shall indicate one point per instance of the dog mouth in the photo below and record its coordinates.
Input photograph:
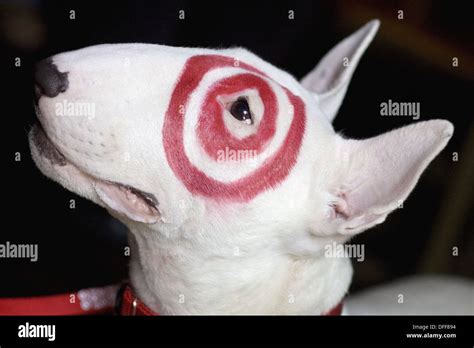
(48, 150)
(45, 147)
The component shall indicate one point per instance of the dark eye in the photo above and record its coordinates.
(241, 111)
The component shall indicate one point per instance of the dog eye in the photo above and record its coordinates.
(241, 111)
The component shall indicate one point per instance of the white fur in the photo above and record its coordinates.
(201, 256)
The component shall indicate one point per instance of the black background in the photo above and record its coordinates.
(291, 330)
(83, 247)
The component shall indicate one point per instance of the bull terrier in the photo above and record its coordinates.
(226, 170)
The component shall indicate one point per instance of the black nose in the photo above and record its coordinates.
(49, 80)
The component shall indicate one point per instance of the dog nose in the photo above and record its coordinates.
(49, 80)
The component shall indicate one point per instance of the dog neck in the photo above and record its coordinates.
(182, 275)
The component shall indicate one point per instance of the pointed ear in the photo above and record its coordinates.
(379, 173)
(331, 77)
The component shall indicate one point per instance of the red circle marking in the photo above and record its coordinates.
(213, 134)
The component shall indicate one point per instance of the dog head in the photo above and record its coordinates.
(222, 141)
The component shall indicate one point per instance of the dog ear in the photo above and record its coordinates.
(379, 173)
(331, 77)
(129, 202)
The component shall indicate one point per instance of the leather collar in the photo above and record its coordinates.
(129, 304)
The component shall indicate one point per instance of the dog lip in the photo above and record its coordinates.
(47, 149)
(37, 94)
(45, 146)
(148, 198)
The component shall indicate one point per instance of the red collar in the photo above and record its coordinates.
(129, 304)
(336, 311)
(87, 302)
(83, 302)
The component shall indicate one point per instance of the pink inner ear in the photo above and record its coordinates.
(127, 202)
(383, 170)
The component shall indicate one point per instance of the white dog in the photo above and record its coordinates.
(226, 169)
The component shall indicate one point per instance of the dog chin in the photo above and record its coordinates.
(55, 166)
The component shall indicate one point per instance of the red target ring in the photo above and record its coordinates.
(213, 134)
